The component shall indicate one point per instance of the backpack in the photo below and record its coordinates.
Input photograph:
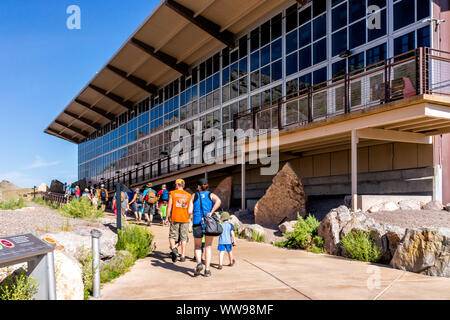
(103, 193)
(165, 195)
(122, 196)
(151, 197)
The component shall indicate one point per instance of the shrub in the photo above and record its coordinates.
(304, 236)
(258, 237)
(18, 287)
(136, 240)
(86, 259)
(40, 200)
(13, 204)
(360, 245)
(117, 266)
(81, 208)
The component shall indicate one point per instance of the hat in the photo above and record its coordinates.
(180, 182)
(202, 182)
(225, 216)
(86, 190)
(164, 186)
(102, 185)
(149, 185)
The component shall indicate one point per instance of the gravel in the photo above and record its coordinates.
(413, 218)
(39, 220)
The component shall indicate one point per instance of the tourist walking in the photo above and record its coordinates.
(177, 214)
(203, 203)
(136, 204)
(150, 201)
(86, 194)
(163, 199)
(77, 192)
(226, 240)
(103, 196)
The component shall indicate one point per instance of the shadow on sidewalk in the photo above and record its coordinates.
(159, 260)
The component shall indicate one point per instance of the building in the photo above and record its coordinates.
(358, 88)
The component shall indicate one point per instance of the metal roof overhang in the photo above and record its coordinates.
(175, 36)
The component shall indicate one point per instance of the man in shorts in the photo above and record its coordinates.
(177, 214)
(150, 200)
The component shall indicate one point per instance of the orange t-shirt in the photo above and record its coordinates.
(180, 203)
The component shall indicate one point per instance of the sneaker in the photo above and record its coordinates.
(207, 273)
(182, 259)
(219, 267)
(149, 224)
(198, 268)
(232, 263)
(174, 254)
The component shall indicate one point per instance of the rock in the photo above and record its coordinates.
(74, 242)
(7, 271)
(386, 206)
(425, 251)
(68, 277)
(235, 222)
(331, 226)
(117, 262)
(224, 192)
(247, 231)
(42, 188)
(433, 205)
(355, 223)
(447, 206)
(409, 204)
(394, 236)
(284, 199)
(57, 186)
(287, 226)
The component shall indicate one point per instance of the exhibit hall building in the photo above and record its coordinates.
(359, 91)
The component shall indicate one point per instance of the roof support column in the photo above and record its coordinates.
(437, 159)
(243, 200)
(355, 141)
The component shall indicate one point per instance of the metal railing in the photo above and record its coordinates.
(416, 72)
(58, 198)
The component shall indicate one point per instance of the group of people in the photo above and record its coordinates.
(185, 214)
(98, 197)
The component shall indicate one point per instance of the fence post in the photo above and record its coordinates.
(310, 115)
(280, 118)
(347, 93)
(387, 79)
(96, 234)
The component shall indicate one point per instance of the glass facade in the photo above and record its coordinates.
(296, 48)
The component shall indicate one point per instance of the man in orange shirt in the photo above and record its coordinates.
(178, 215)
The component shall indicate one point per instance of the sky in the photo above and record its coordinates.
(43, 66)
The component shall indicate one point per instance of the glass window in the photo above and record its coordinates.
(423, 9)
(305, 35)
(423, 37)
(265, 76)
(376, 54)
(339, 68)
(276, 50)
(291, 42)
(277, 70)
(356, 62)
(254, 39)
(404, 43)
(254, 61)
(291, 64)
(339, 42)
(357, 34)
(243, 67)
(291, 18)
(320, 51)
(304, 16)
(276, 26)
(265, 55)
(319, 6)
(403, 13)
(304, 57)
(339, 17)
(265, 33)
(320, 27)
(320, 75)
(357, 9)
(243, 47)
(225, 76)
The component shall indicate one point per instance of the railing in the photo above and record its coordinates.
(416, 72)
(58, 198)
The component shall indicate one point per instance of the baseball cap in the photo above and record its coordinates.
(202, 182)
(180, 182)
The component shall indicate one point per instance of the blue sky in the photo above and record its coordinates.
(43, 65)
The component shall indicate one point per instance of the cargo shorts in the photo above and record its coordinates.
(149, 208)
(179, 231)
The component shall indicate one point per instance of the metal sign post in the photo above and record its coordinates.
(39, 256)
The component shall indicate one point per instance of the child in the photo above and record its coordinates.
(226, 240)
(163, 210)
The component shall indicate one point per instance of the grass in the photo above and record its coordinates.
(86, 259)
(117, 266)
(13, 204)
(40, 200)
(66, 226)
(305, 236)
(81, 208)
(258, 237)
(18, 287)
(360, 246)
(136, 240)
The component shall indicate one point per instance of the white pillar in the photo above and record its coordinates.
(437, 177)
(354, 170)
(243, 200)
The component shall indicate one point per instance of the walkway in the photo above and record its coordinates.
(263, 271)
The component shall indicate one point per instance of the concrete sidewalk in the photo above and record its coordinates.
(263, 271)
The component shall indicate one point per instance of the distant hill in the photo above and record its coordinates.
(6, 185)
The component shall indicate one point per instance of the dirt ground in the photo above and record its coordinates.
(413, 218)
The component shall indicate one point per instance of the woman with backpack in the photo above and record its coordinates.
(203, 203)
(150, 200)
(137, 204)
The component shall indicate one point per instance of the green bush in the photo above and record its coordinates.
(304, 236)
(18, 287)
(361, 246)
(86, 259)
(13, 204)
(117, 266)
(258, 237)
(136, 240)
(81, 208)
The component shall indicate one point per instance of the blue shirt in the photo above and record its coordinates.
(225, 237)
(207, 205)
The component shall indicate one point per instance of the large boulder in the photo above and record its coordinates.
(425, 251)
(386, 206)
(284, 199)
(409, 204)
(68, 277)
(57, 186)
(74, 242)
(248, 230)
(433, 205)
(7, 271)
(331, 226)
(42, 188)
(287, 227)
(224, 192)
(236, 222)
